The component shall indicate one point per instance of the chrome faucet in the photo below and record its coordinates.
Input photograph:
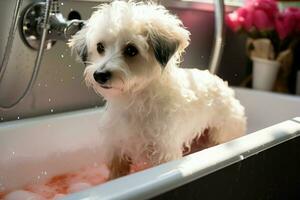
(58, 28)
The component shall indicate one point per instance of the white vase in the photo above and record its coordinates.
(264, 73)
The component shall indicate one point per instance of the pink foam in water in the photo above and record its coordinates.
(64, 184)
(61, 185)
(23, 195)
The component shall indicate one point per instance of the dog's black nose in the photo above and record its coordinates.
(102, 77)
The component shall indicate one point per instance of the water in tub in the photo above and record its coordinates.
(48, 158)
(56, 187)
(47, 164)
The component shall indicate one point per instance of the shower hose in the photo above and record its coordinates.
(39, 53)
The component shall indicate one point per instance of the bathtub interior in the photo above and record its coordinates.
(264, 109)
(65, 142)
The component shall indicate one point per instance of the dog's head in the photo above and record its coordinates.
(126, 45)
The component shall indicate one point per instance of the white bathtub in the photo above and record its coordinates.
(64, 142)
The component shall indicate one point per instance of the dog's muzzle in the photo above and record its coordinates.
(102, 77)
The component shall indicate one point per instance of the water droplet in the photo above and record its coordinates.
(52, 110)
(49, 99)
(18, 117)
(235, 75)
(39, 84)
(13, 153)
(62, 56)
(38, 177)
(44, 173)
(61, 4)
(46, 85)
(73, 77)
(241, 157)
(71, 9)
(69, 65)
(2, 118)
(61, 80)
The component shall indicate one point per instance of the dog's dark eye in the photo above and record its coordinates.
(100, 48)
(130, 50)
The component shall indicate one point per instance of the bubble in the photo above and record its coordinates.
(39, 177)
(73, 77)
(61, 4)
(61, 80)
(58, 196)
(235, 75)
(52, 110)
(49, 99)
(62, 56)
(2, 118)
(39, 84)
(241, 157)
(69, 66)
(13, 153)
(46, 85)
(22, 194)
(44, 173)
(18, 117)
(76, 187)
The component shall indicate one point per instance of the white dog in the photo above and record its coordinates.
(154, 108)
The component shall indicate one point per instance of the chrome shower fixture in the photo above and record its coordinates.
(58, 27)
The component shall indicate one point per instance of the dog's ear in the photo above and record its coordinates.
(78, 44)
(163, 48)
(166, 35)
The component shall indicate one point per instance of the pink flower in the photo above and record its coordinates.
(292, 19)
(240, 18)
(269, 6)
(232, 21)
(246, 18)
(262, 21)
(288, 22)
(293, 12)
(280, 27)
